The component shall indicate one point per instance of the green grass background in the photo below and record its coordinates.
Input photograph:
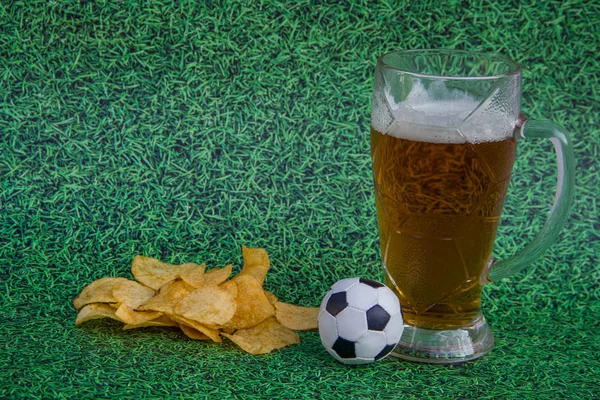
(184, 129)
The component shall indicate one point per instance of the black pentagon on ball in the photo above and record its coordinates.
(344, 348)
(377, 318)
(371, 283)
(386, 350)
(336, 303)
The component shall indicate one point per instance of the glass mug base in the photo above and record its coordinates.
(451, 346)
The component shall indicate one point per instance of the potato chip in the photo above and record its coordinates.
(228, 329)
(163, 320)
(216, 276)
(168, 296)
(154, 273)
(129, 316)
(193, 333)
(194, 277)
(272, 298)
(95, 311)
(212, 333)
(253, 306)
(256, 263)
(230, 287)
(265, 337)
(213, 277)
(99, 291)
(208, 305)
(205, 305)
(296, 317)
(132, 293)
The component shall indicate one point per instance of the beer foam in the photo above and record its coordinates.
(459, 118)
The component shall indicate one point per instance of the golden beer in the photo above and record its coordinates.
(438, 208)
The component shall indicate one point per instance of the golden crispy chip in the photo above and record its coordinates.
(265, 337)
(163, 320)
(208, 305)
(253, 306)
(99, 291)
(256, 263)
(296, 317)
(132, 293)
(154, 273)
(95, 311)
(193, 333)
(194, 277)
(213, 277)
(228, 329)
(216, 276)
(208, 331)
(203, 304)
(129, 316)
(168, 286)
(272, 298)
(230, 287)
(168, 296)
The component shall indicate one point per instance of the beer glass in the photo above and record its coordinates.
(444, 130)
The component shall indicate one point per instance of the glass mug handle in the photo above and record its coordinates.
(563, 148)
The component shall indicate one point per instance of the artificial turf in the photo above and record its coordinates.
(182, 130)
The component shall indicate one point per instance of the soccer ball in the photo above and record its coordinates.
(360, 321)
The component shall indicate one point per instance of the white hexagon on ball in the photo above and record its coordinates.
(362, 297)
(370, 345)
(360, 321)
(388, 300)
(351, 324)
(328, 330)
(393, 330)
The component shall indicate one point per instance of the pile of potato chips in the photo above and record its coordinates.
(205, 305)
